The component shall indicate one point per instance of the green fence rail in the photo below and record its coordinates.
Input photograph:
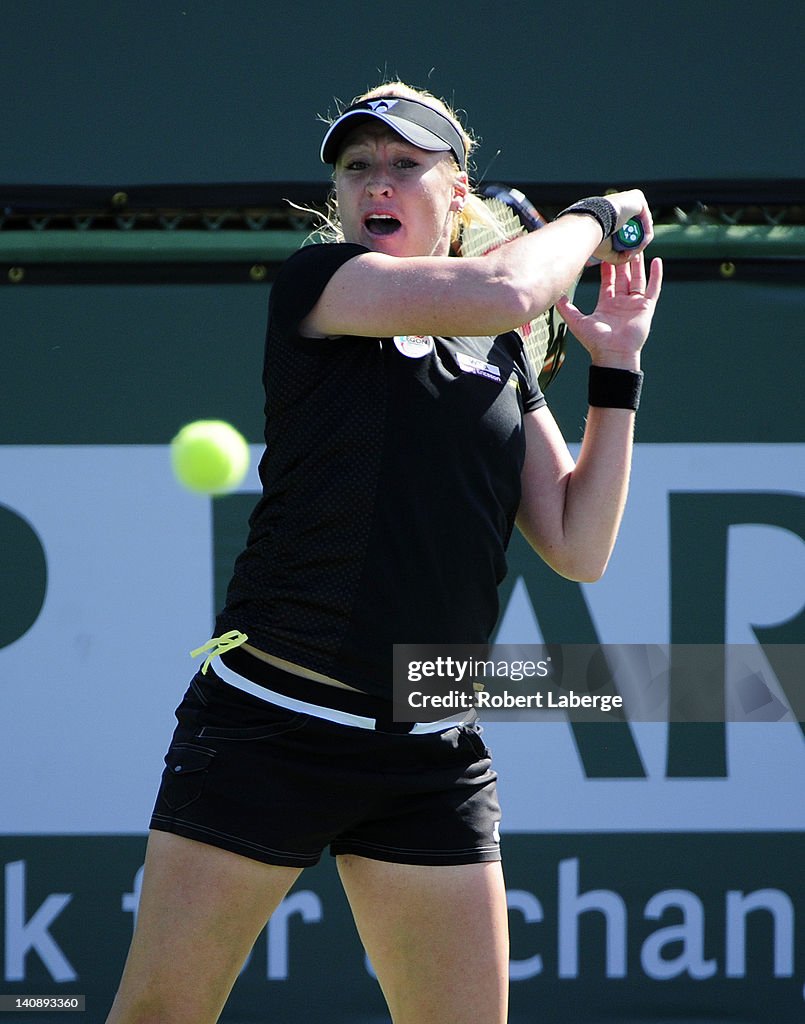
(704, 241)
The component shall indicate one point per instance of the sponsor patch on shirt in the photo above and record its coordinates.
(415, 346)
(471, 364)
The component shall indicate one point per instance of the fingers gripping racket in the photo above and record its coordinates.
(511, 214)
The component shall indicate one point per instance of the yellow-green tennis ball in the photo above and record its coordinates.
(209, 457)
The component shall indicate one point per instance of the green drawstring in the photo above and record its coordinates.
(219, 645)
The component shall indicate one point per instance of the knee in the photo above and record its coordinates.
(152, 1007)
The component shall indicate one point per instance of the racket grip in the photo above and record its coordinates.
(629, 236)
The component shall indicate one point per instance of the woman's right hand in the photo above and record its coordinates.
(628, 204)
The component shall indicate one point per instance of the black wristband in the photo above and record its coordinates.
(599, 209)
(611, 388)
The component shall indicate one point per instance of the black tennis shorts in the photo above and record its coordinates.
(279, 786)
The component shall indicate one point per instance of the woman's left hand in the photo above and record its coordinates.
(616, 330)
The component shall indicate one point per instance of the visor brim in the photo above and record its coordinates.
(414, 133)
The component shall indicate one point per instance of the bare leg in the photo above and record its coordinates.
(201, 910)
(437, 938)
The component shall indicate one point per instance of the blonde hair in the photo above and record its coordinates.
(473, 209)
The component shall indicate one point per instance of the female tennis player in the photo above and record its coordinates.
(405, 435)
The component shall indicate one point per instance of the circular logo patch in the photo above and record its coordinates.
(415, 346)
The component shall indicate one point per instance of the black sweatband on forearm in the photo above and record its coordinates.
(611, 388)
(599, 209)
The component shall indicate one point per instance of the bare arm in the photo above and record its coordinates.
(376, 295)
(570, 513)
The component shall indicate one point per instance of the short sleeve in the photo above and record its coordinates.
(302, 279)
(533, 397)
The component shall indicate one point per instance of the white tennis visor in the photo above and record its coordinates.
(416, 122)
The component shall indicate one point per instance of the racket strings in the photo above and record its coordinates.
(541, 340)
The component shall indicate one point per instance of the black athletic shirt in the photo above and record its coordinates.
(391, 481)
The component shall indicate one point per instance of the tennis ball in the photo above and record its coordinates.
(209, 457)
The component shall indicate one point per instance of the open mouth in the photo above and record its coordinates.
(381, 225)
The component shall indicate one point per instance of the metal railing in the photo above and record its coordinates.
(244, 232)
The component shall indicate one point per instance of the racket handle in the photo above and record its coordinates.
(629, 236)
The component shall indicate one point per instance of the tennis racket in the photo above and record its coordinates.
(629, 236)
(511, 215)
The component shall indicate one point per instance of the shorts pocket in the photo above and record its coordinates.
(185, 773)
(231, 714)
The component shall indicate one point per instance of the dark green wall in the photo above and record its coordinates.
(129, 364)
(104, 91)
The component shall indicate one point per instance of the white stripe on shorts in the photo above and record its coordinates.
(317, 711)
